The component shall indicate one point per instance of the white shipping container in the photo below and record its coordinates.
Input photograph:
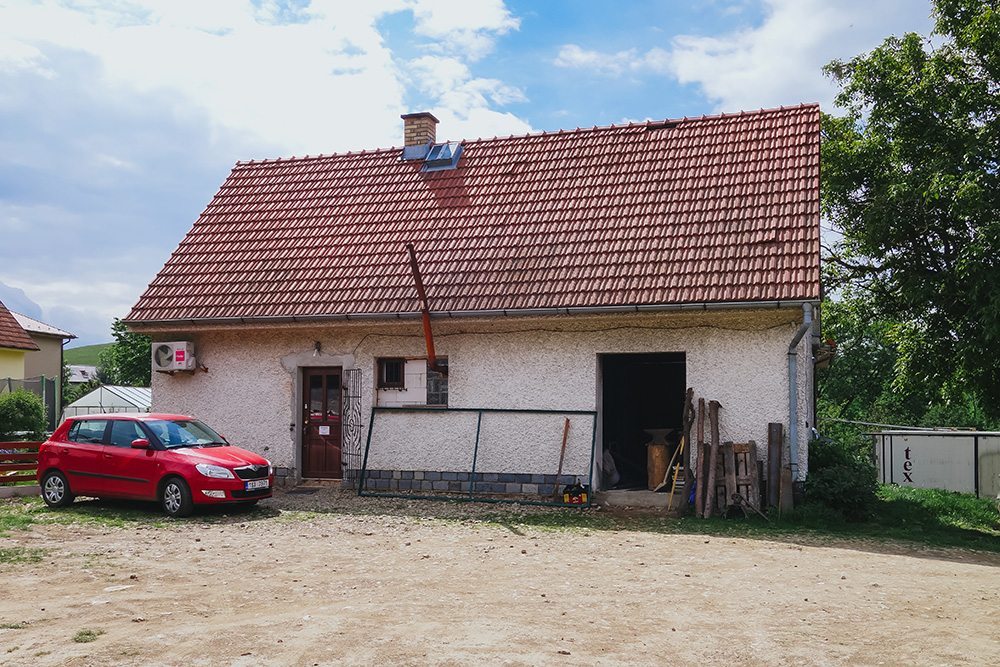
(964, 461)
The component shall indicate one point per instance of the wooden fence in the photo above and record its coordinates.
(18, 462)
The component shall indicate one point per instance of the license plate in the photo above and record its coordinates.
(257, 484)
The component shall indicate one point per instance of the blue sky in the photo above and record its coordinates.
(119, 120)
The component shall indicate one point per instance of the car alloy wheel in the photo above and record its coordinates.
(176, 498)
(172, 497)
(55, 489)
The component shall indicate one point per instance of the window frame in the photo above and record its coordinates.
(78, 424)
(381, 364)
(442, 378)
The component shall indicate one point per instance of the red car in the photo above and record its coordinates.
(173, 459)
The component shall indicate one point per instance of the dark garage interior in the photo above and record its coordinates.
(640, 391)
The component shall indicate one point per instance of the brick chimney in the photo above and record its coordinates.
(419, 131)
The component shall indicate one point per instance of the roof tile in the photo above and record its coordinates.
(713, 209)
(12, 335)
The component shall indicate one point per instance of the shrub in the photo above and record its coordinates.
(842, 479)
(21, 412)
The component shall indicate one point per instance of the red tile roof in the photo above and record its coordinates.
(12, 336)
(711, 209)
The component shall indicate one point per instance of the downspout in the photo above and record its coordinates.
(425, 313)
(793, 390)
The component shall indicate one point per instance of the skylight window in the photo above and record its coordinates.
(443, 156)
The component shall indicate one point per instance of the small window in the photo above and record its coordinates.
(89, 431)
(391, 373)
(437, 384)
(124, 431)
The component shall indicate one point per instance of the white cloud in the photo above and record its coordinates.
(119, 119)
(655, 60)
(779, 61)
(463, 27)
(324, 82)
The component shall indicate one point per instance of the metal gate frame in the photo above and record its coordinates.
(471, 496)
(350, 435)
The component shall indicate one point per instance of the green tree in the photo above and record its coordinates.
(21, 412)
(127, 361)
(860, 383)
(910, 177)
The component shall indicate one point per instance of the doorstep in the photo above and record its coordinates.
(639, 498)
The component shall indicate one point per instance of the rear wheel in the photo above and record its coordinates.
(175, 498)
(55, 489)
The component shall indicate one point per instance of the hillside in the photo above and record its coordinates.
(85, 355)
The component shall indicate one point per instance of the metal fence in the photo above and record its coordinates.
(478, 454)
(43, 387)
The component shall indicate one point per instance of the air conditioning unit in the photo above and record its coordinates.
(178, 356)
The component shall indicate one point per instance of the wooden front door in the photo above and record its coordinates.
(321, 423)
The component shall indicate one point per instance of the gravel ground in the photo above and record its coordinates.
(329, 578)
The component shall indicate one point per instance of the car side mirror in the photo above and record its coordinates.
(140, 443)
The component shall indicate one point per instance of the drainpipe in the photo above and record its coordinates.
(793, 390)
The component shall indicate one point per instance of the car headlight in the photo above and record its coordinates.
(218, 472)
(270, 468)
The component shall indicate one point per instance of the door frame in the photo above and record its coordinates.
(300, 423)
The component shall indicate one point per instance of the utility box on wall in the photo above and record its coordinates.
(964, 461)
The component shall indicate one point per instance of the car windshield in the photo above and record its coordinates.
(174, 433)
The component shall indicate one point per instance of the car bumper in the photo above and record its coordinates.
(210, 491)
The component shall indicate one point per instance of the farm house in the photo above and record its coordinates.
(591, 275)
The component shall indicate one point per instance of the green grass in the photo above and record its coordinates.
(85, 355)
(20, 625)
(87, 636)
(21, 555)
(921, 517)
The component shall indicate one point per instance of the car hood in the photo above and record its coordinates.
(228, 456)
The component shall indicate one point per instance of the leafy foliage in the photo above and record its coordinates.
(126, 362)
(910, 176)
(842, 479)
(860, 385)
(21, 412)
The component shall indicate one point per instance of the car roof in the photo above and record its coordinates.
(137, 416)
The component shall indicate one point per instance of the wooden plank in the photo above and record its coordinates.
(702, 467)
(713, 457)
(28, 446)
(785, 498)
(19, 456)
(22, 477)
(729, 465)
(775, 434)
(11, 467)
(751, 459)
(691, 453)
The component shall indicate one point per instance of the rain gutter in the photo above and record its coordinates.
(504, 312)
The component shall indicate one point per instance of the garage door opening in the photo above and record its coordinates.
(641, 393)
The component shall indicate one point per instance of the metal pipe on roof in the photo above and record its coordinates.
(793, 399)
(425, 313)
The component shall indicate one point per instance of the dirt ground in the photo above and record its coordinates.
(283, 587)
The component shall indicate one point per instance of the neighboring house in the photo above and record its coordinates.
(47, 361)
(110, 399)
(602, 269)
(80, 373)
(15, 344)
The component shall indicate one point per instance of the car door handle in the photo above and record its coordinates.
(63, 451)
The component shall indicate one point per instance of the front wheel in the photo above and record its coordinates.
(55, 489)
(176, 498)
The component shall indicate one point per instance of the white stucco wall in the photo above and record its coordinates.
(251, 390)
